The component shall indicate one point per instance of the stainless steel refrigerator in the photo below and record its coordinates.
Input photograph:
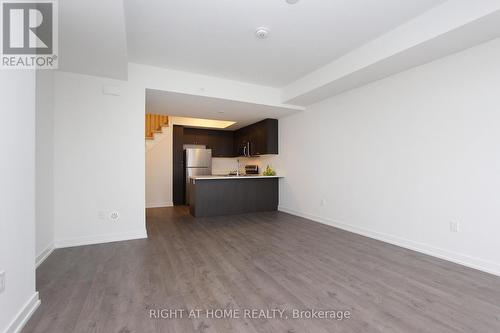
(198, 162)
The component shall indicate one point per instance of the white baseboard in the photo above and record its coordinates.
(24, 315)
(44, 254)
(98, 239)
(159, 205)
(458, 258)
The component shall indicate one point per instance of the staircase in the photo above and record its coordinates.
(155, 124)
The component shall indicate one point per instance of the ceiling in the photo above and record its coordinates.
(194, 106)
(217, 37)
(316, 48)
(99, 48)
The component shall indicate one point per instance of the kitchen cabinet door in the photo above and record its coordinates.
(263, 137)
(178, 165)
(223, 144)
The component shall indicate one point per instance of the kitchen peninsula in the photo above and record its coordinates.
(225, 195)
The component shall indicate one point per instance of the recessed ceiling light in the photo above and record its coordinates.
(204, 123)
(292, 2)
(220, 111)
(262, 33)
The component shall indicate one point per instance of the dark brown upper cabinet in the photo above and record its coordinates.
(221, 142)
(261, 137)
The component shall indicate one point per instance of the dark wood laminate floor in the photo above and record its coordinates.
(264, 260)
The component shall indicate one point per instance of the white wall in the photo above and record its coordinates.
(17, 197)
(159, 166)
(44, 211)
(98, 160)
(402, 157)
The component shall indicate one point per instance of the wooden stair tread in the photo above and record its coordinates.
(154, 124)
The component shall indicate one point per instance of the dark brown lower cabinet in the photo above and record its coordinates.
(214, 197)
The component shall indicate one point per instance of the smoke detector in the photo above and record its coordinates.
(262, 33)
(292, 2)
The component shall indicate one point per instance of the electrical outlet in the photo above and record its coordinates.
(322, 202)
(2, 281)
(101, 215)
(454, 226)
(114, 216)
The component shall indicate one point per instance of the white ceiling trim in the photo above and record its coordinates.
(449, 28)
(203, 107)
(168, 80)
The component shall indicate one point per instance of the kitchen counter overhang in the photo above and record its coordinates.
(225, 177)
(226, 195)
